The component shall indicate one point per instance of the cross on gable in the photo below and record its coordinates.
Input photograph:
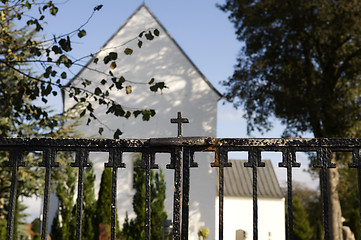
(179, 120)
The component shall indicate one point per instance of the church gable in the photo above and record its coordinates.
(162, 59)
(188, 91)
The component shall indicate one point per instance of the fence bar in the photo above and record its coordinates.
(16, 160)
(254, 161)
(177, 193)
(81, 161)
(356, 163)
(255, 204)
(49, 157)
(115, 161)
(289, 158)
(113, 210)
(221, 200)
(289, 161)
(146, 159)
(359, 185)
(323, 160)
(185, 194)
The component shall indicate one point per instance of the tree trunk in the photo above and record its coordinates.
(335, 214)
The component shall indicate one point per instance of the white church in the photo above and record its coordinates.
(188, 91)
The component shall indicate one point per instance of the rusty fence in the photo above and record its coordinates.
(181, 150)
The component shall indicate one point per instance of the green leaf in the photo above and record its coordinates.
(82, 113)
(136, 113)
(128, 89)
(140, 43)
(81, 33)
(117, 134)
(113, 55)
(121, 79)
(113, 65)
(97, 8)
(156, 86)
(103, 82)
(90, 108)
(100, 131)
(63, 75)
(97, 91)
(65, 44)
(53, 11)
(106, 59)
(65, 60)
(128, 114)
(48, 90)
(128, 51)
(57, 50)
(149, 36)
(28, 5)
(95, 60)
(156, 32)
(151, 81)
(141, 34)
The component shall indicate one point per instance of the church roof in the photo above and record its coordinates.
(238, 180)
(144, 6)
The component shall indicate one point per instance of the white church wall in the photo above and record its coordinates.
(238, 214)
(186, 92)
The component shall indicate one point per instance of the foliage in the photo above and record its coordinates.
(103, 206)
(301, 226)
(102, 220)
(24, 44)
(3, 224)
(89, 204)
(203, 232)
(349, 199)
(35, 228)
(65, 190)
(20, 224)
(135, 228)
(23, 47)
(35, 225)
(299, 63)
(307, 212)
(56, 231)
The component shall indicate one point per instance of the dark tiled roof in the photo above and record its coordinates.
(238, 180)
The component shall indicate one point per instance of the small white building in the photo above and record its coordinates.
(238, 203)
(188, 91)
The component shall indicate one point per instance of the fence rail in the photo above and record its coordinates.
(181, 151)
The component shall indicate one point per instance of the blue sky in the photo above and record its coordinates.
(199, 27)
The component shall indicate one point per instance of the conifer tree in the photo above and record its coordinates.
(89, 204)
(134, 229)
(56, 231)
(65, 191)
(103, 205)
(301, 226)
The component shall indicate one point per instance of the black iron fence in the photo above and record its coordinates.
(181, 150)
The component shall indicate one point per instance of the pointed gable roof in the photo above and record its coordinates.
(144, 7)
(238, 180)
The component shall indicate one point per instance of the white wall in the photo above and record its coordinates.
(187, 92)
(238, 214)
